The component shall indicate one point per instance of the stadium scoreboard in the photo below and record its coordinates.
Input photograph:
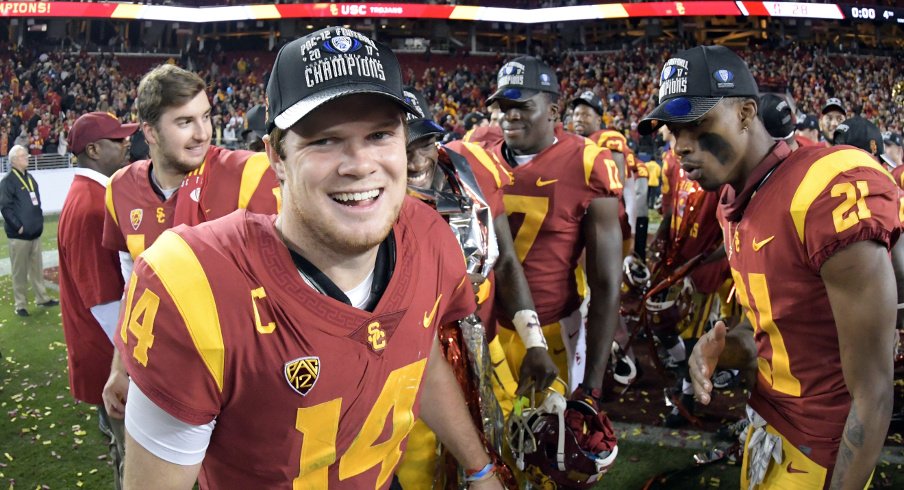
(132, 11)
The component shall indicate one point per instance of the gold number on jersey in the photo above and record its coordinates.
(901, 210)
(320, 426)
(534, 209)
(257, 294)
(140, 321)
(777, 370)
(843, 216)
(613, 171)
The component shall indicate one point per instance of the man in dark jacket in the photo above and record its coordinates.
(23, 221)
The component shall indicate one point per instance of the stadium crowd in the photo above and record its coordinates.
(42, 92)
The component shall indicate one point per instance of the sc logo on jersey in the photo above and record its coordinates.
(376, 336)
(302, 373)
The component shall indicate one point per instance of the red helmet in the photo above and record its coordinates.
(551, 453)
(665, 310)
(635, 281)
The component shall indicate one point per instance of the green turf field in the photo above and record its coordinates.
(48, 239)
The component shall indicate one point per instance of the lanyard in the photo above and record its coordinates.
(31, 188)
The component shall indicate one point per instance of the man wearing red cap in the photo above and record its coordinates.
(90, 283)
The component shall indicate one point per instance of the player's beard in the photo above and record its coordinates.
(345, 240)
(174, 161)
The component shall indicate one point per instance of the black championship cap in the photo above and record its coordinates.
(420, 122)
(863, 134)
(777, 116)
(589, 98)
(694, 81)
(255, 122)
(325, 65)
(890, 138)
(834, 104)
(523, 78)
(808, 122)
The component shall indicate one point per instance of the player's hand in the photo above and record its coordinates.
(116, 391)
(537, 371)
(703, 360)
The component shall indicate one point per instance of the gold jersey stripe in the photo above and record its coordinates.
(108, 199)
(818, 177)
(484, 158)
(184, 279)
(252, 174)
(135, 245)
(591, 150)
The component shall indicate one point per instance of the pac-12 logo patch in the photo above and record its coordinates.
(341, 44)
(668, 71)
(302, 373)
(135, 218)
(725, 78)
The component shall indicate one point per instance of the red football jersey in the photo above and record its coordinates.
(616, 142)
(89, 276)
(218, 323)
(486, 135)
(546, 205)
(137, 215)
(816, 202)
(701, 234)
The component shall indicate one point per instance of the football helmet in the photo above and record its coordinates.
(561, 443)
(635, 281)
(666, 309)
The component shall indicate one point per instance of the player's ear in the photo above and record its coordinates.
(747, 112)
(150, 134)
(276, 163)
(554, 110)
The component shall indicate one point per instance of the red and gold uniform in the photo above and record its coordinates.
(489, 136)
(546, 205)
(89, 276)
(227, 180)
(796, 211)
(616, 142)
(221, 308)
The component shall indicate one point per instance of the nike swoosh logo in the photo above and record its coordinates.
(497, 364)
(794, 470)
(571, 335)
(758, 245)
(428, 319)
(541, 182)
